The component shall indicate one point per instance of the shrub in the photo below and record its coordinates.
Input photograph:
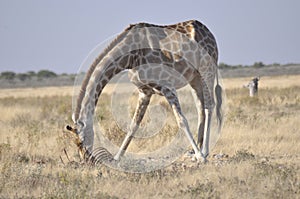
(31, 73)
(23, 76)
(224, 66)
(258, 65)
(9, 75)
(46, 74)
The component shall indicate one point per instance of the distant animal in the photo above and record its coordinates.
(152, 53)
(253, 86)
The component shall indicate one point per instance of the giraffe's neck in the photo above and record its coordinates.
(96, 79)
(91, 70)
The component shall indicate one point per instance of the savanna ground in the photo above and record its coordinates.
(256, 156)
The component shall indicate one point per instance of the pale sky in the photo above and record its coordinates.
(58, 35)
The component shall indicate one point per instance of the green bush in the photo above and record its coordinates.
(23, 76)
(9, 75)
(46, 74)
(258, 65)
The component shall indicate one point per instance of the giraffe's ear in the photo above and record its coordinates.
(73, 118)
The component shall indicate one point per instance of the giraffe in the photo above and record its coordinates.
(158, 59)
(253, 86)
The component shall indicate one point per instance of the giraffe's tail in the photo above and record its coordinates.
(219, 102)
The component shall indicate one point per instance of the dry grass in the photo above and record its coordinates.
(265, 81)
(257, 154)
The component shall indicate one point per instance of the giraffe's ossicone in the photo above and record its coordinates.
(160, 60)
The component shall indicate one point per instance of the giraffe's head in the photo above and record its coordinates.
(81, 139)
(73, 131)
(90, 156)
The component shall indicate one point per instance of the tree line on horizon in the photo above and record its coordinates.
(46, 74)
(254, 65)
(42, 74)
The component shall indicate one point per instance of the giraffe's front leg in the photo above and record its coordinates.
(141, 108)
(182, 122)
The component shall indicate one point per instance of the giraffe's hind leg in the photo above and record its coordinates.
(181, 120)
(197, 87)
(205, 103)
(205, 125)
(206, 136)
(143, 102)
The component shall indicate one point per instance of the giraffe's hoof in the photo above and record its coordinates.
(203, 160)
(194, 159)
(199, 158)
(117, 157)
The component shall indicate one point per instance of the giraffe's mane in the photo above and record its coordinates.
(92, 68)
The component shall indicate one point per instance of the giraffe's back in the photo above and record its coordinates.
(193, 29)
(185, 47)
